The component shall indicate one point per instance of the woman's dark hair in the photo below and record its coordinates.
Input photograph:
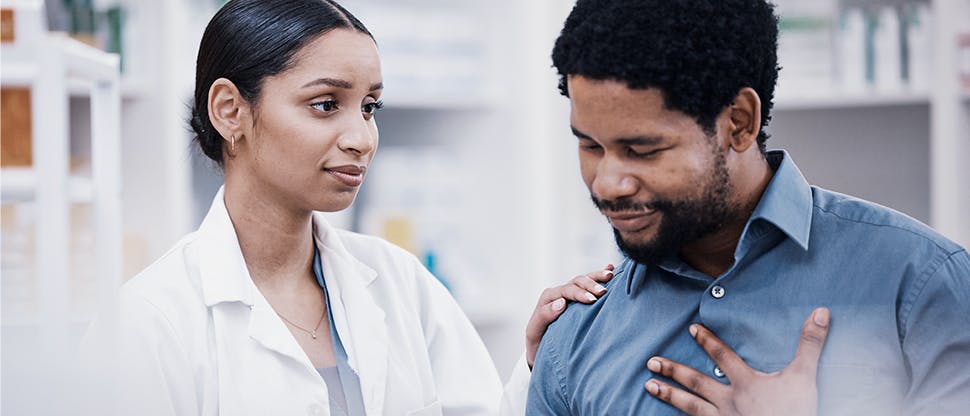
(698, 53)
(249, 40)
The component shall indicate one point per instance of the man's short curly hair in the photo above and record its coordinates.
(698, 53)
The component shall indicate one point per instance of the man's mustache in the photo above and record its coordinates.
(628, 205)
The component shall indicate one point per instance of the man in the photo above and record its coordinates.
(669, 100)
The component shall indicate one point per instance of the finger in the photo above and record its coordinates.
(814, 332)
(589, 284)
(693, 380)
(686, 402)
(602, 276)
(722, 355)
(542, 317)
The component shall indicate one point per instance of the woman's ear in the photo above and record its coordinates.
(744, 119)
(228, 111)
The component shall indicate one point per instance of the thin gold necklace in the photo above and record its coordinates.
(312, 333)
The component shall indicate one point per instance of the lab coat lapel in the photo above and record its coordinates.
(226, 282)
(359, 320)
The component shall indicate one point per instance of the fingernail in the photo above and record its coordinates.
(590, 297)
(599, 289)
(654, 365)
(693, 330)
(558, 304)
(653, 387)
(821, 317)
(608, 274)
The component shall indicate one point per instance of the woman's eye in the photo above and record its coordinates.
(371, 108)
(325, 106)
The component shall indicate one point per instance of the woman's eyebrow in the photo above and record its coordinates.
(339, 83)
(333, 82)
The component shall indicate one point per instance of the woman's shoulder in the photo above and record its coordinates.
(170, 285)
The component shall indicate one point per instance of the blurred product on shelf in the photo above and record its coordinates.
(851, 71)
(805, 45)
(413, 199)
(887, 50)
(7, 33)
(441, 59)
(96, 23)
(963, 59)
(15, 131)
(17, 262)
(918, 45)
(870, 48)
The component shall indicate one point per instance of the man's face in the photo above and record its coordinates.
(654, 173)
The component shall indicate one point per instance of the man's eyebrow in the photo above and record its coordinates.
(628, 141)
(580, 134)
(339, 83)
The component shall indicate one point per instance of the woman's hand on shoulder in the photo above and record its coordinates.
(552, 302)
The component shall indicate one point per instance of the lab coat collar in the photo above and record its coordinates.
(358, 319)
(225, 277)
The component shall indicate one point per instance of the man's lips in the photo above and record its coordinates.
(630, 221)
(350, 175)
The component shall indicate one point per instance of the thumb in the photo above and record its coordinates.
(536, 328)
(814, 332)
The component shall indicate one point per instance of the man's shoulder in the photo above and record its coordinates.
(853, 216)
(575, 323)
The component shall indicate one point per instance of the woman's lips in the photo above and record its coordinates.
(350, 175)
(631, 221)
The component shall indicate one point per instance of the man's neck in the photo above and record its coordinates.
(713, 254)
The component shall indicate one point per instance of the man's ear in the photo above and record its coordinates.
(744, 120)
(228, 111)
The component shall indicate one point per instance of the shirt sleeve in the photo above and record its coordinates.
(134, 364)
(547, 390)
(936, 341)
(465, 377)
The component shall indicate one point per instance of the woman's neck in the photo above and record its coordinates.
(276, 241)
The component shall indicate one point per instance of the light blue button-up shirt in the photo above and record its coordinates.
(899, 294)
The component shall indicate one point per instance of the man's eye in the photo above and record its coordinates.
(639, 155)
(325, 106)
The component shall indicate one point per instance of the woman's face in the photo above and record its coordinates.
(314, 132)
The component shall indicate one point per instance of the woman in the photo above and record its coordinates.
(266, 308)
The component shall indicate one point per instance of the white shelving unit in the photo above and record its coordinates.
(47, 64)
(48, 301)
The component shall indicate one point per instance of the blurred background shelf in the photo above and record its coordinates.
(20, 185)
(833, 100)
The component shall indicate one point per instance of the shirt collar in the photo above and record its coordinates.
(786, 203)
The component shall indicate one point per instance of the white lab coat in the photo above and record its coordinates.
(198, 338)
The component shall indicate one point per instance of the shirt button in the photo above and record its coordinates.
(717, 291)
(718, 372)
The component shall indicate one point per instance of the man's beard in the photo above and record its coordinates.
(682, 221)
